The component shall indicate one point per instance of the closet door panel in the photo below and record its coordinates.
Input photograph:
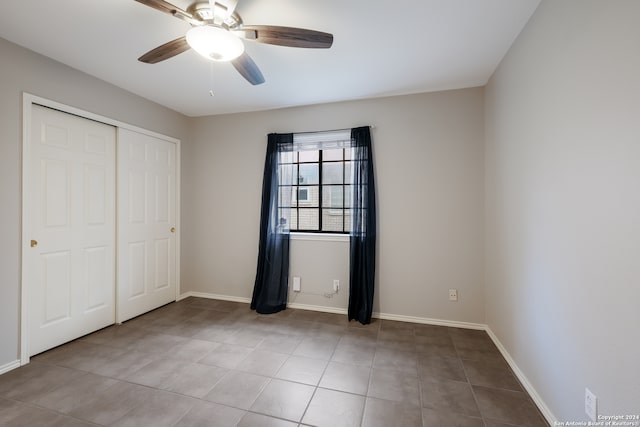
(147, 261)
(70, 260)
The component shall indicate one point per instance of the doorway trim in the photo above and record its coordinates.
(28, 100)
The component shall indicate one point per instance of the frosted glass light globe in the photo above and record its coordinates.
(215, 43)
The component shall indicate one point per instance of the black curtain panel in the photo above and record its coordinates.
(271, 286)
(363, 228)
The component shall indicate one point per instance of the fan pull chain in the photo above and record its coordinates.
(211, 79)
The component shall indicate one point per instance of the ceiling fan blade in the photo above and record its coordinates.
(170, 9)
(165, 51)
(248, 69)
(289, 36)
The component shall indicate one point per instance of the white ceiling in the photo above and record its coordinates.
(380, 48)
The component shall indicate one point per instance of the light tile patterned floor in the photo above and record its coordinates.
(204, 362)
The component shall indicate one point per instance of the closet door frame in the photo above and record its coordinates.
(28, 100)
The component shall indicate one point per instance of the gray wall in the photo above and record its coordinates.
(560, 216)
(428, 151)
(24, 70)
(563, 204)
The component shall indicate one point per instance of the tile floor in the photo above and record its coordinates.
(204, 362)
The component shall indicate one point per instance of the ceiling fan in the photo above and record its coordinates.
(217, 33)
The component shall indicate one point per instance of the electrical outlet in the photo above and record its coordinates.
(590, 404)
(453, 295)
(296, 284)
(336, 285)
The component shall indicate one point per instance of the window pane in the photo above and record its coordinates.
(308, 174)
(356, 166)
(332, 173)
(287, 157)
(309, 197)
(309, 219)
(332, 154)
(294, 220)
(283, 219)
(347, 153)
(332, 219)
(286, 197)
(348, 191)
(286, 174)
(348, 179)
(308, 156)
(347, 220)
(332, 196)
(303, 194)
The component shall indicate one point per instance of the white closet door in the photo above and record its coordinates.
(70, 265)
(147, 261)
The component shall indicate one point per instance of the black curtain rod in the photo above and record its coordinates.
(330, 130)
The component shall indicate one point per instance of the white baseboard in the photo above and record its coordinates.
(213, 296)
(338, 310)
(248, 301)
(429, 321)
(542, 406)
(334, 310)
(9, 366)
(544, 409)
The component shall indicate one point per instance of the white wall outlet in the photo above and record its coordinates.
(590, 404)
(336, 285)
(296, 284)
(453, 295)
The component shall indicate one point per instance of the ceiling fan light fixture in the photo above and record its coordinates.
(215, 43)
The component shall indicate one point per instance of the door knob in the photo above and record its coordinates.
(173, 229)
(34, 243)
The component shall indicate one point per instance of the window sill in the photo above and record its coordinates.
(320, 237)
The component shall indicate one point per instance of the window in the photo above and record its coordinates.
(320, 196)
(303, 194)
